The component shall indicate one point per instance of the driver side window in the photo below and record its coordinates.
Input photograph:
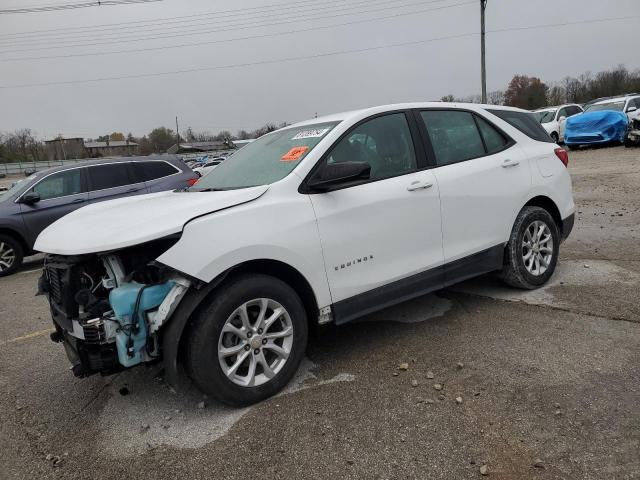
(384, 143)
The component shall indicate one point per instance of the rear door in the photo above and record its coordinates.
(60, 193)
(113, 180)
(482, 176)
(159, 175)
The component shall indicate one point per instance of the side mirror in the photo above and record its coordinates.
(30, 198)
(336, 174)
(562, 118)
(631, 109)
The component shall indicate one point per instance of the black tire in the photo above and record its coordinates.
(514, 272)
(202, 360)
(555, 137)
(18, 254)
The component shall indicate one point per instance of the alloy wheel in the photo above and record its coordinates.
(255, 342)
(537, 248)
(7, 256)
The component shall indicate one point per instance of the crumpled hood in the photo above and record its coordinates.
(124, 222)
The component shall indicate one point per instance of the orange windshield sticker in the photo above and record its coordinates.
(294, 154)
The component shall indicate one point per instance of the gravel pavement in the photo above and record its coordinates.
(541, 385)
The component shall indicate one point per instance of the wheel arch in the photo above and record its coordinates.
(174, 335)
(549, 205)
(16, 236)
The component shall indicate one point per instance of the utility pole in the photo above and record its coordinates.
(483, 69)
(177, 131)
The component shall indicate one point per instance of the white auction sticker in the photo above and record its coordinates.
(315, 133)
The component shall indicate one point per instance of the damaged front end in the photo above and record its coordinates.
(108, 309)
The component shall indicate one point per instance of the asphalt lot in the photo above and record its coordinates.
(548, 381)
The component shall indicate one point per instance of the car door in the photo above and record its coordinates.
(113, 180)
(159, 175)
(383, 235)
(60, 193)
(482, 176)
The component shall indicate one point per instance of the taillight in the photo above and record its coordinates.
(563, 155)
(192, 181)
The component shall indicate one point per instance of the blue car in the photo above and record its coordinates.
(601, 123)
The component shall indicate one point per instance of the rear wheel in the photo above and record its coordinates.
(248, 341)
(532, 252)
(11, 254)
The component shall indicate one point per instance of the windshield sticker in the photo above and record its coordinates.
(294, 154)
(314, 133)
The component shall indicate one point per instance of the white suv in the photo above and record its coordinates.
(323, 221)
(553, 119)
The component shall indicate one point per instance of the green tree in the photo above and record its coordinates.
(160, 139)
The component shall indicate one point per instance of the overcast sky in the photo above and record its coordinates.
(248, 96)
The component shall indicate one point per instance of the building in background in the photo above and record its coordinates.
(77, 147)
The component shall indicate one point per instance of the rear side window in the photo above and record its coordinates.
(114, 175)
(493, 139)
(147, 171)
(572, 110)
(454, 135)
(525, 122)
(60, 184)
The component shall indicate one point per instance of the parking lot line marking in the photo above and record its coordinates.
(28, 336)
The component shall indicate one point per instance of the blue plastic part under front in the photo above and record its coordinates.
(131, 338)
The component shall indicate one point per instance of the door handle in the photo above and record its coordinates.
(419, 185)
(510, 163)
(78, 200)
(131, 190)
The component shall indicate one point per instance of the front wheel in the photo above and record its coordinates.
(532, 252)
(248, 341)
(555, 137)
(11, 254)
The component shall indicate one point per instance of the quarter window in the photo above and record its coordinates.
(60, 184)
(454, 135)
(147, 171)
(525, 122)
(384, 142)
(109, 176)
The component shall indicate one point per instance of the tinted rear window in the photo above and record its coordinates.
(114, 175)
(152, 170)
(525, 122)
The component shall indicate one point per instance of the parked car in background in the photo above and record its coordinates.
(602, 122)
(201, 171)
(632, 136)
(553, 119)
(34, 203)
(319, 222)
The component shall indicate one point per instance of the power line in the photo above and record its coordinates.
(248, 37)
(201, 14)
(177, 22)
(239, 65)
(73, 6)
(303, 57)
(290, 18)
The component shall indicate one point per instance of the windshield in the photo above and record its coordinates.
(265, 161)
(545, 116)
(619, 106)
(14, 188)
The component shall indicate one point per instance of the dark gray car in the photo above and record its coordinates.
(36, 202)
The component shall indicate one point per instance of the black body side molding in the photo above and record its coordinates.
(420, 284)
